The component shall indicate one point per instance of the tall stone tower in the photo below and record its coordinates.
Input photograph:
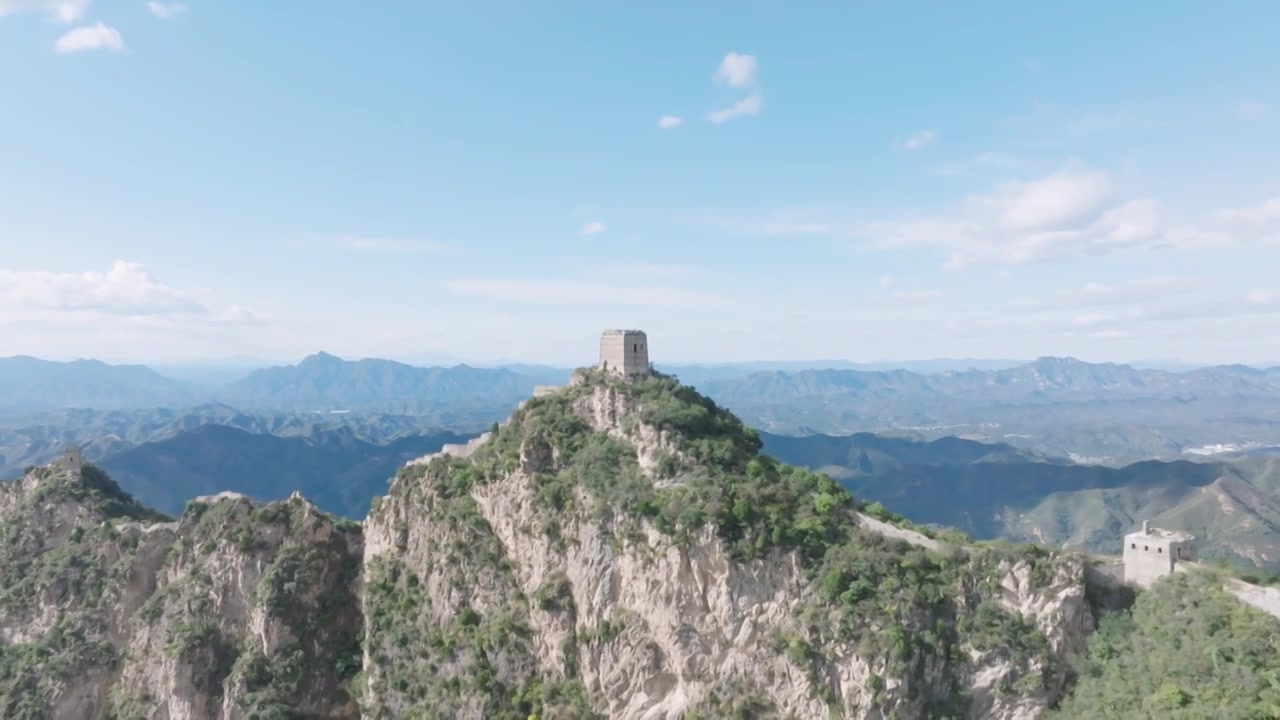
(625, 352)
(71, 460)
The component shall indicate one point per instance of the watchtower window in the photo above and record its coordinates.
(1133, 546)
(1160, 550)
(1146, 548)
(635, 347)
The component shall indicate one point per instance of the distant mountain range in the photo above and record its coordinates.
(1097, 412)
(37, 438)
(1232, 505)
(460, 397)
(988, 490)
(28, 383)
(335, 469)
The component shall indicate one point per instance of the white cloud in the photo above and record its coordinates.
(1250, 222)
(127, 289)
(387, 245)
(1071, 213)
(1251, 108)
(666, 122)
(60, 10)
(164, 11)
(90, 37)
(593, 228)
(737, 70)
(1059, 200)
(580, 293)
(922, 139)
(749, 105)
(886, 281)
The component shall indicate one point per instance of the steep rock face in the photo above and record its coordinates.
(620, 549)
(235, 610)
(616, 549)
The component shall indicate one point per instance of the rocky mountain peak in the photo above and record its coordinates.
(621, 547)
(617, 548)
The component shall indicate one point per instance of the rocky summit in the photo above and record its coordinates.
(618, 548)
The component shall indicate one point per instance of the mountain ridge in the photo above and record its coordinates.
(616, 547)
(1103, 413)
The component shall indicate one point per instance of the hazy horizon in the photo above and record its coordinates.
(247, 364)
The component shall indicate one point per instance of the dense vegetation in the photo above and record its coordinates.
(61, 547)
(93, 590)
(434, 653)
(1186, 650)
(991, 491)
(892, 600)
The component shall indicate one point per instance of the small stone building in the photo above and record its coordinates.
(72, 460)
(1152, 553)
(625, 352)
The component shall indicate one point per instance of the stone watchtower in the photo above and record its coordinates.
(625, 352)
(71, 460)
(1152, 553)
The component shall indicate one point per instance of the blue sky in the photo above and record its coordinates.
(743, 180)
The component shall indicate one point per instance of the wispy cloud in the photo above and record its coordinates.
(1073, 212)
(165, 11)
(582, 293)
(66, 11)
(920, 140)
(1261, 220)
(92, 37)
(749, 105)
(404, 246)
(737, 70)
(593, 228)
